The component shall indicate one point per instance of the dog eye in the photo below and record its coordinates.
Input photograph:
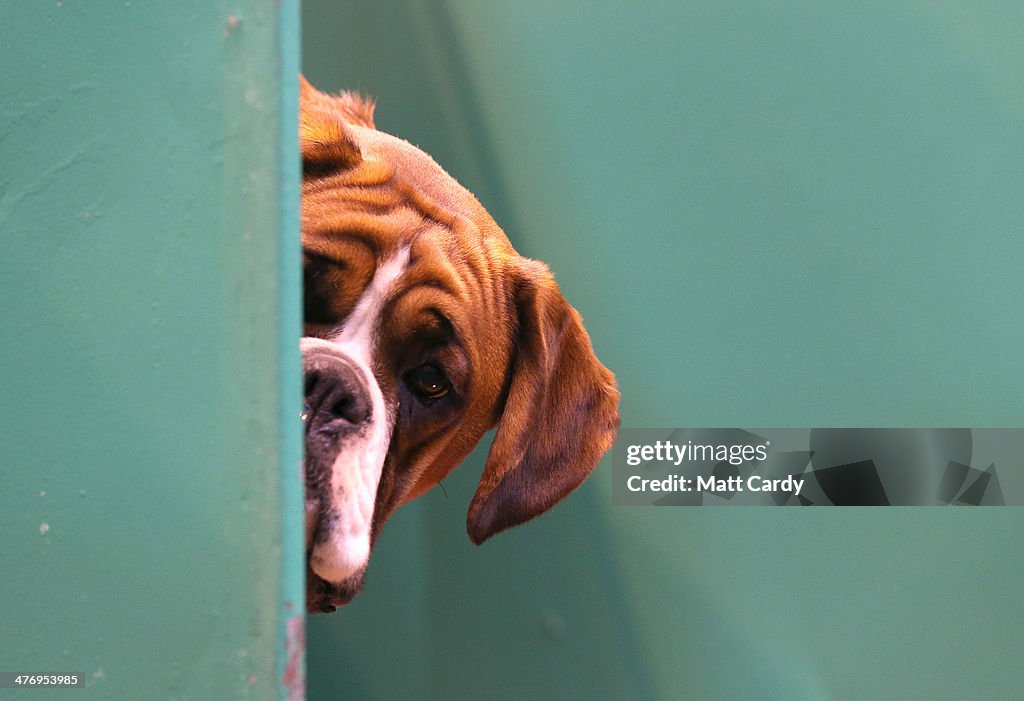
(428, 382)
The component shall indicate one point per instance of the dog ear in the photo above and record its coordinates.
(559, 418)
(324, 139)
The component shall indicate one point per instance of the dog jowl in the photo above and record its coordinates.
(424, 329)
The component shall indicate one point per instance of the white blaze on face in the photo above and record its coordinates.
(356, 471)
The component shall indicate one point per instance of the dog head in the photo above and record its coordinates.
(425, 329)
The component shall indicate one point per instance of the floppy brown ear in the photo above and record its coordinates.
(560, 416)
(324, 139)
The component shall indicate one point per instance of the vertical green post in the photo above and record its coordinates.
(150, 488)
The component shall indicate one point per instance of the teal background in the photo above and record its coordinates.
(769, 213)
(149, 376)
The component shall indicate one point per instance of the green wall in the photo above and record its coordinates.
(149, 391)
(769, 214)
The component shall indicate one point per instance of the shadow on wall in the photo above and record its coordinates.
(407, 55)
(544, 597)
(802, 184)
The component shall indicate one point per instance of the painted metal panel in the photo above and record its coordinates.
(149, 384)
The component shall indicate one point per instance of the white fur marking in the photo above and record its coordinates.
(356, 471)
(356, 336)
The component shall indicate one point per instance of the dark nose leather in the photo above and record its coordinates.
(337, 399)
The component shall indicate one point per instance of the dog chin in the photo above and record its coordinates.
(335, 566)
(326, 597)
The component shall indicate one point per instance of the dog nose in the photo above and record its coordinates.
(336, 393)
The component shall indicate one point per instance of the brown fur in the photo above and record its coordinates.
(520, 352)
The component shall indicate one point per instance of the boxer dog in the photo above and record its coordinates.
(424, 329)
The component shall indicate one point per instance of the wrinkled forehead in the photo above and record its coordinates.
(424, 287)
(397, 203)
